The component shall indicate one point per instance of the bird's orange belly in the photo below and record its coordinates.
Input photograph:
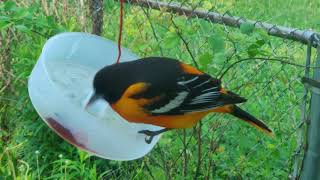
(168, 121)
(174, 121)
(132, 112)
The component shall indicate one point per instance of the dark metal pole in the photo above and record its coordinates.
(302, 129)
(311, 164)
(96, 11)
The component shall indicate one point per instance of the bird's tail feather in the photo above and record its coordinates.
(245, 116)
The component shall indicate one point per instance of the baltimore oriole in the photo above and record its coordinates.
(167, 93)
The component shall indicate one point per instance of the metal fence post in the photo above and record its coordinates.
(311, 164)
(302, 129)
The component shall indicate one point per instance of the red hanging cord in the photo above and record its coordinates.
(120, 31)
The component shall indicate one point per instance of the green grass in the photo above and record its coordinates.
(230, 149)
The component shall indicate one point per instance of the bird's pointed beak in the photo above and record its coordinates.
(93, 97)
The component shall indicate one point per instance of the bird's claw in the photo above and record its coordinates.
(149, 139)
(149, 134)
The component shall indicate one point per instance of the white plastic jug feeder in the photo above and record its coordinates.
(59, 86)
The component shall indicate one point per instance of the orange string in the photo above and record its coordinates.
(120, 31)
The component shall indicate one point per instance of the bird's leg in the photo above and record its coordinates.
(152, 134)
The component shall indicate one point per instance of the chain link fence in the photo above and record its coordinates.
(264, 69)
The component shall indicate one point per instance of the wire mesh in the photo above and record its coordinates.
(224, 147)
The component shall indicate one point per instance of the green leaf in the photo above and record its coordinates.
(260, 42)
(217, 43)
(205, 26)
(22, 28)
(21, 13)
(50, 20)
(4, 24)
(41, 21)
(220, 58)
(253, 50)
(246, 28)
(171, 40)
(9, 6)
(33, 8)
(205, 59)
(4, 18)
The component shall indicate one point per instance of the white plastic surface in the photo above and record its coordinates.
(59, 86)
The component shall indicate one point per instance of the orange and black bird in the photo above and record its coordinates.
(167, 93)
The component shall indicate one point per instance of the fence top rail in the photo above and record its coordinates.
(303, 36)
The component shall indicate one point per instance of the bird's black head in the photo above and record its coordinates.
(111, 81)
(103, 84)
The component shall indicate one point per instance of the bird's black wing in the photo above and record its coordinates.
(190, 93)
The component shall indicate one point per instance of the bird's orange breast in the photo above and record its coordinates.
(133, 112)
